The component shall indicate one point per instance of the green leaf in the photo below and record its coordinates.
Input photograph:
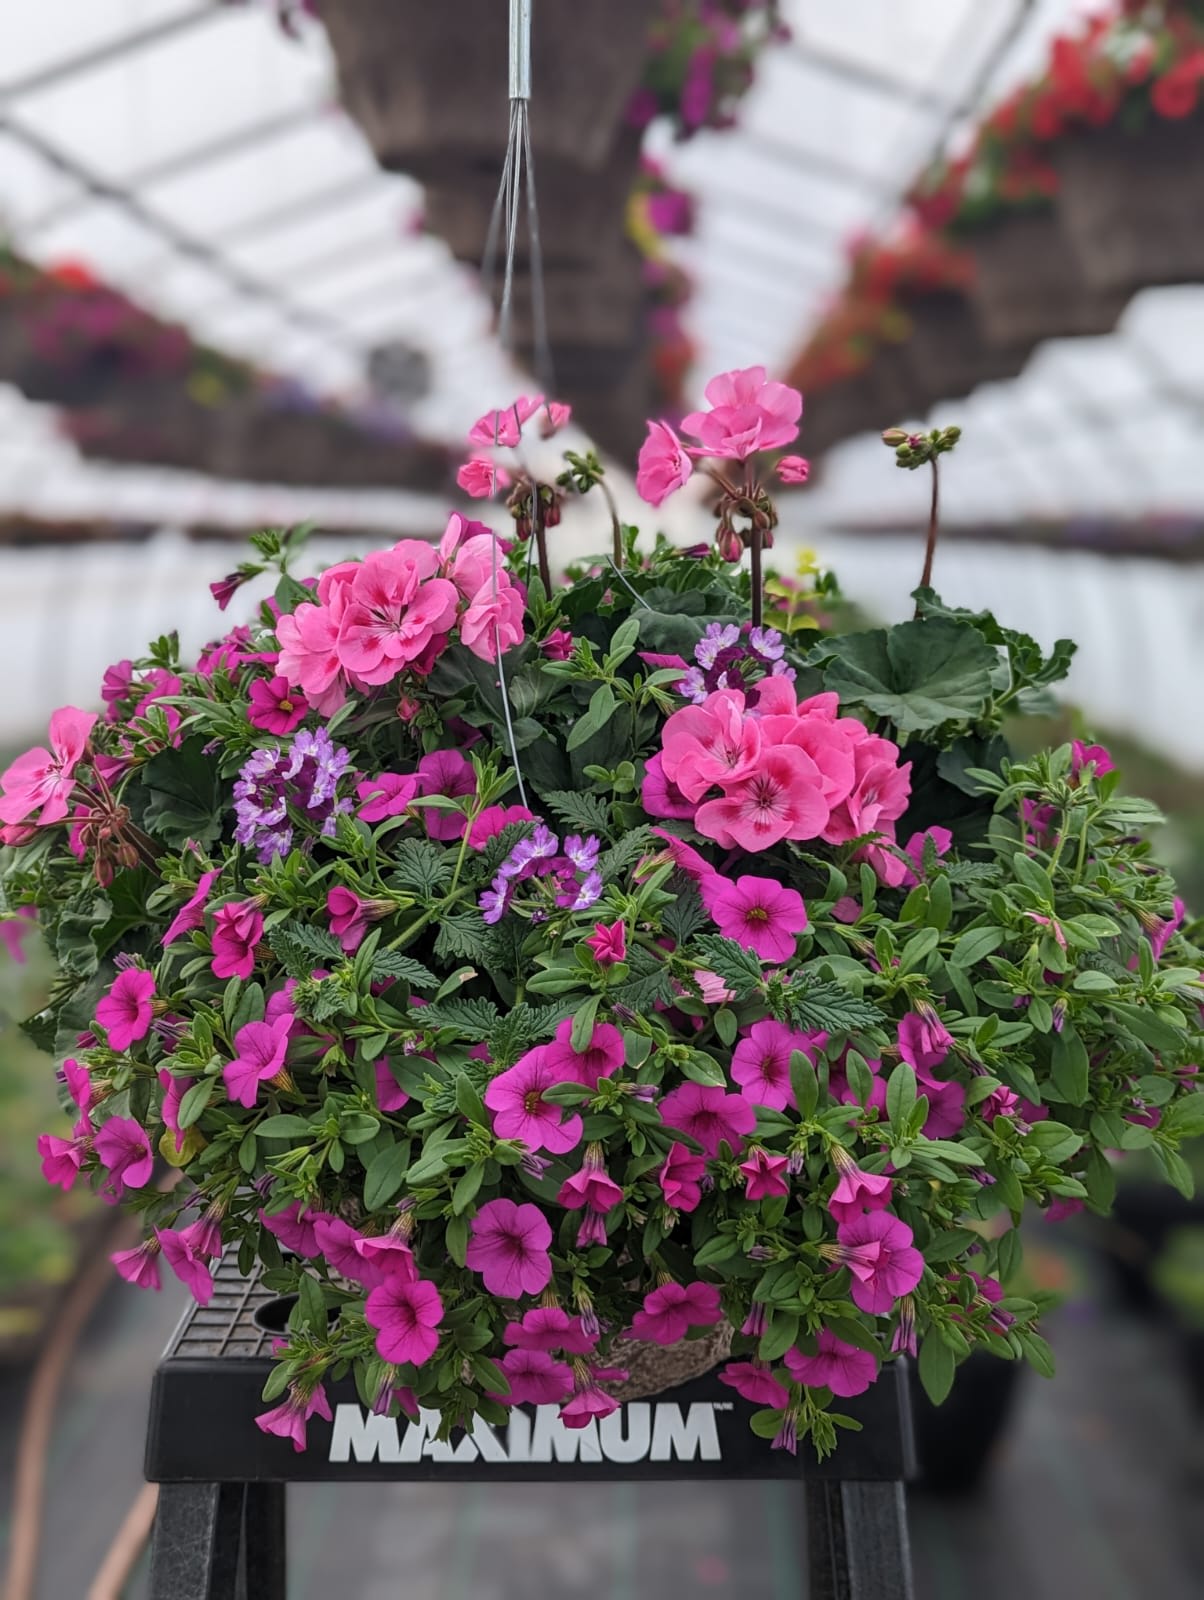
(469, 1102)
(392, 964)
(805, 1083)
(900, 1096)
(582, 1031)
(194, 1102)
(358, 1127)
(285, 1126)
(301, 949)
(765, 1424)
(384, 1175)
(420, 866)
(918, 674)
(821, 1006)
(726, 1025)
(310, 1310)
(599, 712)
(184, 794)
(467, 1188)
(739, 968)
(972, 947)
(938, 1366)
(1069, 1067)
(455, 1236)
(947, 1244)
(588, 813)
(779, 1336)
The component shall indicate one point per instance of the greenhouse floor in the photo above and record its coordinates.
(1096, 1492)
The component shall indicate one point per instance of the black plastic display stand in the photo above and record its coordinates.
(220, 1526)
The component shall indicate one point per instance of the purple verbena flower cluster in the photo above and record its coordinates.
(303, 776)
(568, 876)
(730, 657)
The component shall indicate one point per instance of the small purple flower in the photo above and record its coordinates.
(304, 777)
(767, 643)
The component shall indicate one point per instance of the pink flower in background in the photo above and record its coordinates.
(13, 932)
(942, 843)
(492, 821)
(602, 1057)
(681, 1178)
(41, 780)
(761, 1061)
(663, 466)
(505, 427)
(856, 1191)
(224, 590)
(1164, 930)
(758, 913)
(187, 1262)
(753, 1381)
(124, 1149)
(479, 477)
(882, 1261)
(515, 1097)
(608, 943)
(386, 796)
(237, 930)
(294, 1228)
(684, 857)
(349, 916)
(764, 1175)
(115, 686)
(274, 707)
(406, 1316)
(1090, 756)
(558, 646)
(127, 1011)
(289, 1418)
(139, 1266)
(550, 1328)
(924, 1040)
(508, 1246)
(61, 1159)
(747, 414)
(838, 1366)
(192, 913)
(708, 1115)
(261, 1050)
(556, 415)
(672, 1310)
(794, 470)
(445, 772)
(174, 1091)
(390, 1096)
(535, 1378)
(79, 1084)
(1001, 1102)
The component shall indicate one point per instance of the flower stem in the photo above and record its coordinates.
(541, 541)
(615, 524)
(758, 593)
(933, 524)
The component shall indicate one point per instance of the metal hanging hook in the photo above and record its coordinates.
(520, 49)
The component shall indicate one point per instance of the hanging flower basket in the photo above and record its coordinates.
(431, 98)
(948, 346)
(1030, 283)
(1131, 204)
(525, 974)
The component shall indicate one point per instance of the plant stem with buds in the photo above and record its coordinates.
(758, 593)
(933, 524)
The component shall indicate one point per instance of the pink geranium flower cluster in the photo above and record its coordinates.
(482, 475)
(748, 413)
(395, 611)
(784, 769)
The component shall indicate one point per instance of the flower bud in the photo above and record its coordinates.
(729, 544)
(894, 437)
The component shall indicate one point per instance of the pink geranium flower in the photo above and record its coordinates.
(550, 1328)
(237, 930)
(515, 1097)
(445, 772)
(672, 1310)
(127, 1011)
(794, 469)
(274, 707)
(289, 1418)
(781, 799)
(406, 1315)
(535, 1378)
(309, 652)
(761, 1061)
(386, 796)
(187, 1262)
(758, 913)
(856, 1191)
(192, 913)
(261, 1048)
(663, 465)
(753, 1381)
(505, 427)
(681, 1178)
(41, 780)
(602, 1057)
(124, 1149)
(508, 1246)
(708, 1116)
(712, 743)
(747, 414)
(882, 1261)
(838, 1366)
(764, 1175)
(608, 943)
(479, 477)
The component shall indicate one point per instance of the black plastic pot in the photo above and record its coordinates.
(1130, 1240)
(955, 1441)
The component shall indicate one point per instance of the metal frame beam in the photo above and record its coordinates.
(304, 207)
(71, 66)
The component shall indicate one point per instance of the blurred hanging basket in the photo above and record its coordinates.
(1131, 203)
(1030, 284)
(948, 346)
(430, 92)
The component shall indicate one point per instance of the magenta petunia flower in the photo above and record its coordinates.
(884, 1264)
(535, 1378)
(262, 1048)
(708, 1115)
(237, 930)
(386, 1253)
(274, 707)
(445, 772)
(1092, 758)
(559, 645)
(406, 1315)
(758, 913)
(124, 1149)
(592, 1186)
(492, 821)
(294, 1228)
(602, 1057)
(946, 1109)
(192, 913)
(127, 1012)
(61, 1159)
(337, 1241)
(856, 1191)
(140, 1266)
(187, 1262)
(550, 1328)
(387, 795)
(761, 1061)
(681, 1178)
(753, 1381)
(520, 1112)
(41, 780)
(684, 857)
(764, 1175)
(838, 1366)
(390, 1096)
(508, 1246)
(660, 795)
(924, 1040)
(608, 943)
(79, 1084)
(349, 916)
(289, 1418)
(672, 1310)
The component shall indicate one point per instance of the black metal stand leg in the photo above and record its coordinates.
(857, 1544)
(263, 1542)
(198, 1534)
